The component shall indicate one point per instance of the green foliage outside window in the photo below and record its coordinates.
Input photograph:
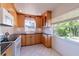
(68, 29)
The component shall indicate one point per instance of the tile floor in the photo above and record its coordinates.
(38, 50)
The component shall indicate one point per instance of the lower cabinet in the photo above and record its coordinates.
(8, 52)
(27, 40)
(47, 41)
(33, 39)
(38, 38)
(23, 40)
(30, 39)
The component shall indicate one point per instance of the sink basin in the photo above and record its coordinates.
(12, 37)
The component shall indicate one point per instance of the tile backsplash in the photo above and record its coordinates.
(4, 29)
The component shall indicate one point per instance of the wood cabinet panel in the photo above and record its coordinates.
(8, 52)
(42, 40)
(23, 40)
(38, 38)
(38, 22)
(20, 20)
(28, 39)
(47, 41)
(33, 39)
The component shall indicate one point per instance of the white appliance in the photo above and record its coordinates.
(5, 17)
(16, 46)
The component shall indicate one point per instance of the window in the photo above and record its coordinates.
(67, 29)
(30, 24)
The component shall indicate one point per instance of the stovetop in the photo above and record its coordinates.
(5, 40)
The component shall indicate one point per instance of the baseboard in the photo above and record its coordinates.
(57, 52)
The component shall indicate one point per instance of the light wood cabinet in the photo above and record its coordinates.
(21, 20)
(49, 15)
(8, 52)
(33, 39)
(42, 39)
(30, 39)
(38, 38)
(39, 22)
(23, 40)
(47, 41)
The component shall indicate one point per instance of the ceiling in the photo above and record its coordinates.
(39, 8)
(34, 8)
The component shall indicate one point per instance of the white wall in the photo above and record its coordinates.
(72, 14)
(64, 8)
(66, 47)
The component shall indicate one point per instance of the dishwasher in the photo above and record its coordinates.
(17, 46)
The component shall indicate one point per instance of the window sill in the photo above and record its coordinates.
(68, 40)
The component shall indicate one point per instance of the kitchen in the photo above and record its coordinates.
(26, 29)
(18, 29)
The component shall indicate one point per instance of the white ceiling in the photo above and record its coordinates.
(35, 8)
(39, 8)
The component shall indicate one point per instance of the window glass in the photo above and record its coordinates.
(67, 29)
(30, 24)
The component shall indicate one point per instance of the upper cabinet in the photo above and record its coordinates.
(46, 16)
(11, 9)
(38, 20)
(6, 18)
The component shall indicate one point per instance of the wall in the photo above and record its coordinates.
(63, 8)
(72, 14)
(66, 47)
(11, 9)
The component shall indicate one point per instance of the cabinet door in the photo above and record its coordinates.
(42, 39)
(48, 41)
(33, 37)
(23, 40)
(45, 41)
(39, 22)
(9, 52)
(38, 38)
(28, 40)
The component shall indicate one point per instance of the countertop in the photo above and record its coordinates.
(6, 43)
(31, 33)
